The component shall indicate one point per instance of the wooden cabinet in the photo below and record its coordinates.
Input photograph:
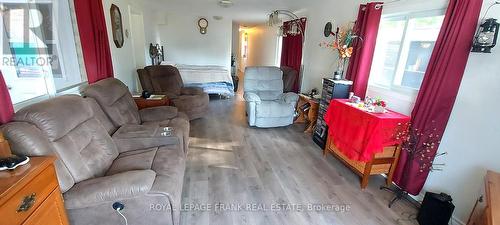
(487, 209)
(30, 194)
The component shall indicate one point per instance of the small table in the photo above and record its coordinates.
(153, 101)
(365, 142)
(310, 115)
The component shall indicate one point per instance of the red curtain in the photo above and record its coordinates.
(439, 90)
(291, 50)
(6, 109)
(360, 63)
(94, 39)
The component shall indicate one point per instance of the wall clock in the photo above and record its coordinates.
(203, 24)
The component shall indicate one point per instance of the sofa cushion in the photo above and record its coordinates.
(101, 115)
(115, 100)
(188, 102)
(113, 188)
(265, 81)
(165, 78)
(274, 109)
(133, 160)
(77, 138)
(26, 139)
(55, 118)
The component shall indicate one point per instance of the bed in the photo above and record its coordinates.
(213, 79)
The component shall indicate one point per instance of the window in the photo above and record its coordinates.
(38, 50)
(404, 47)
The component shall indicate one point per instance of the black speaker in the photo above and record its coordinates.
(436, 209)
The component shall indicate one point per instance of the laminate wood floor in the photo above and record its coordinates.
(241, 175)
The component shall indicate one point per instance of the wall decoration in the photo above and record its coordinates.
(117, 26)
(203, 24)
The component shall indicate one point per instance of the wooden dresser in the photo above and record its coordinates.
(487, 209)
(30, 195)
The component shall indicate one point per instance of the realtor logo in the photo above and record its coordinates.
(28, 39)
(27, 27)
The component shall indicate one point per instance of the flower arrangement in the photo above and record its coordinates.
(380, 102)
(342, 44)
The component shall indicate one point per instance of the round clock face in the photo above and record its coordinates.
(203, 23)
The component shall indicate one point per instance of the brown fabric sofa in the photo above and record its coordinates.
(167, 80)
(93, 171)
(115, 100)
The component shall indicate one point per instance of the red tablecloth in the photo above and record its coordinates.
(360, 134)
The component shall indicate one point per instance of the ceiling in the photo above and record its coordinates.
(245, 12)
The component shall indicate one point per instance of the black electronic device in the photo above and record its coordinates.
(436, 209)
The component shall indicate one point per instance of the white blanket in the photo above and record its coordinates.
(194, 74)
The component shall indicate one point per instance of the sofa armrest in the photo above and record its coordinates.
(251, 97)
(192, 91)
(131, 137)
(109, 189)
(158, 113)
(289, 97)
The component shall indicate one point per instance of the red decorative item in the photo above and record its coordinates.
(94, 39)
(439, 89)
(360, 64)
(359, 134)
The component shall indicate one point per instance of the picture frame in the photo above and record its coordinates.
(117, 26)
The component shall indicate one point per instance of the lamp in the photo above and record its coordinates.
(295, 26)
(486, 37)
(487, 33)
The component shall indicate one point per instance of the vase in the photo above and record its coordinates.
(378, 109)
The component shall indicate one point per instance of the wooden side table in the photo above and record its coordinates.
(30, 194)
(309, 116)
(151, 102)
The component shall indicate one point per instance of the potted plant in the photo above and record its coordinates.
(379, 106)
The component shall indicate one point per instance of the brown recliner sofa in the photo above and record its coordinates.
(290, 77)
(166, 80)
(93, 172)
(115, 100)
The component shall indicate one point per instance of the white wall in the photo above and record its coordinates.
(320, 62)
(123, 60)
(473, 131)
(185, 45)
(262, 44)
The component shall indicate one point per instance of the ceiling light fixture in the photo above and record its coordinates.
(225, 3)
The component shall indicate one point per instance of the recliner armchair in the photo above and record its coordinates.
(119, 108)
(166, 80)
(266, 104)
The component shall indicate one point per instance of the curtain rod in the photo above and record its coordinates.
(378, 6)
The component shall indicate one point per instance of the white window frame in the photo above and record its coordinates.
(401, 98)
(401, 61)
